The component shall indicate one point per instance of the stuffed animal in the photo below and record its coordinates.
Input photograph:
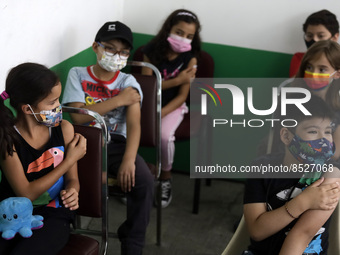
(16, 217)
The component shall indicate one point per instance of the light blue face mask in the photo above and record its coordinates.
(49, 118)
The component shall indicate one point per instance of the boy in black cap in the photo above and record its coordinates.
(117, 96)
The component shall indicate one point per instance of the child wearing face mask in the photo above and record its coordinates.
(174, 52)
(117, 96)
(26, 141)
(289, 211)
(321, 25)
(319, 73)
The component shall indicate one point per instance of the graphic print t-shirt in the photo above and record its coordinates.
(36, 164)
(276, 192)
(84, 87)
(169, 70)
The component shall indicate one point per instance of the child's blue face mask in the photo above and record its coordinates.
(49, 118)
(311, 152)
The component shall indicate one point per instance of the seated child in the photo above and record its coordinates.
(174, 51)
(286, 215)
(39, 152)
(117, 96)
(319, 72)
(321, 25)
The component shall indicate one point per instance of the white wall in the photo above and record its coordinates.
(49, 32)
(259, 24)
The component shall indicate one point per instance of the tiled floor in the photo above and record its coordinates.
(206, 233)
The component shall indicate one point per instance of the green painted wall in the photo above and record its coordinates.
(239, 62)
(230, 61)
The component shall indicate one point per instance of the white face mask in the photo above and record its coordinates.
(112, 63)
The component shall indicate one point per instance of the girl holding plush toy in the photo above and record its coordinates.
(38, 156)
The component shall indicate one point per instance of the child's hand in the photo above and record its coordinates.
(77, 147)
(70, 198)
(126, 175)
(128, 96)
(187, 74)
(324, 197)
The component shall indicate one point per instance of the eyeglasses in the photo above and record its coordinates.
(110, 51)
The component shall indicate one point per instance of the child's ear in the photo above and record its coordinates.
(95, 47)
(286, 136)
(335, 37)
(26, 109)
(337, 74)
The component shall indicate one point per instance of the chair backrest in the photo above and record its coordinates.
(149, 110)
(151, 123)
(90, 173)
(205, 65)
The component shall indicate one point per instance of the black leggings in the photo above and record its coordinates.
(48, 240)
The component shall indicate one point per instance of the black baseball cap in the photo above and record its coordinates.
(114, 30)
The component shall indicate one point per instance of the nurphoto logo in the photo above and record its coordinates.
(238, 104)
(204, 97)
(234, 120)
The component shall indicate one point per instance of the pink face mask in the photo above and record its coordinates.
(179, 44)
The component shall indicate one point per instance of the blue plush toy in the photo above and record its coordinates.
(16, 217)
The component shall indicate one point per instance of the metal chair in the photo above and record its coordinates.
(151, 125)
(93, 195)
(150, 128)
(205, 69)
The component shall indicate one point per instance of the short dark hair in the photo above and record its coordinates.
(316, 106)
(323, 17)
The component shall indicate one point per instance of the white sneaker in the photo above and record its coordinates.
(166, 195)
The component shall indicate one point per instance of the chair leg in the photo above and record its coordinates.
(159, 213)
(197, 191)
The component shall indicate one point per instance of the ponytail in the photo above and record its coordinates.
(8, 135)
